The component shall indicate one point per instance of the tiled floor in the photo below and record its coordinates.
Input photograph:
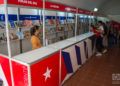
(98, 71)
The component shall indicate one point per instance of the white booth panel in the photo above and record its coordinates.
(2, 10)
(50, 13)
(26, 11)
(89, 44)
(71, 15)
(60, 13)
(12, 10)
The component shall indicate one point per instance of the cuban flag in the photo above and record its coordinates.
(3, 80)
(82, 52)
(88, 48)
(47, 72)
(74, 57)
(5, 75)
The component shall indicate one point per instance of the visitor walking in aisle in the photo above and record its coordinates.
(35, 41)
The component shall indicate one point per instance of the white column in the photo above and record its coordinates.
(76, 24)
(7, 29)
(43, 13)
(8, 39)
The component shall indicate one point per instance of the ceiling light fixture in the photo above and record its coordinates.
(95, 9)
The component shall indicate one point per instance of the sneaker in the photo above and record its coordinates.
(104, 51)
(99, 54)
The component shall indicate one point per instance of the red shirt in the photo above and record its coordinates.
(96, 32)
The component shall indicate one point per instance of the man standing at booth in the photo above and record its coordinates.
(99, 40)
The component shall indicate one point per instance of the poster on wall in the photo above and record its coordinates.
(5, 75)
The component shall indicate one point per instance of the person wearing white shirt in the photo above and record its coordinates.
(99, 41)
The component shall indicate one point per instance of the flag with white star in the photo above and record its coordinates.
(47, 71)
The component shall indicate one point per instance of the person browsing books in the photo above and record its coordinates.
(35, 41)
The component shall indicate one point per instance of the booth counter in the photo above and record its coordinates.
(39, 54)
(52, 65)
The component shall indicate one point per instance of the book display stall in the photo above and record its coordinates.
(63, 52)
(85, 18)
(60, 22)
(20, 19)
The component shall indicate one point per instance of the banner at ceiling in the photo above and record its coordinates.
(1, 1)
(59, 7)
(81, 11)
(88, 12)
(31, 3)
(48, 5)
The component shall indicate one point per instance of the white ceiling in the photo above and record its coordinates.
(104, 6)
(112, 7)
(85, 4)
